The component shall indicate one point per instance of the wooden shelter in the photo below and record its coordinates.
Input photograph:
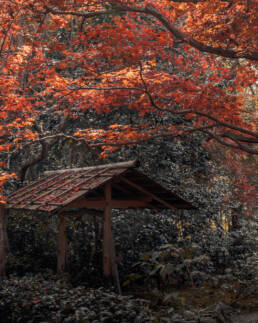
(95, 190)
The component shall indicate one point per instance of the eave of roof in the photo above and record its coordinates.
(59, 189)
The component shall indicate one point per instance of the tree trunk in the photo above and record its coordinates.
(62, 245)
(6, 239)
(2, 243)
(235, 218)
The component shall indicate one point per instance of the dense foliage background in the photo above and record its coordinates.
(90, 82)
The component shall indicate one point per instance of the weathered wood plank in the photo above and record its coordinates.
(40, 190)
(127, 164)
(114, 203)
(29, 187)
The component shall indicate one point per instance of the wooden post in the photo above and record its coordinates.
(109, 257)
(107, 234)
(2, 243)
(62, 245)
(115, 272)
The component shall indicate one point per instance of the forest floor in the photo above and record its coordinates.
(204, 303)
(246, 318)
(33, 298)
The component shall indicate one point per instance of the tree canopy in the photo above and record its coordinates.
(194, 60)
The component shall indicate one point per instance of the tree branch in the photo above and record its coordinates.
(240, 138)
(46, 145)
(149, 9)
(235, 137)
(229, 53)
(26, 165)
(198, 1)
(226, 125)
(237, 146)
(253, 139)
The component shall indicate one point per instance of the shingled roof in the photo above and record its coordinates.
(84, 187)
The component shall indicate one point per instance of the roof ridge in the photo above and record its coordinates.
(127, 164)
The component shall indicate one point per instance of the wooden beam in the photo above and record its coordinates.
(109, 256)
(141, 189)
(2, 243)
(62, 245)
(127, 164)
(114, 203)
(107, 234)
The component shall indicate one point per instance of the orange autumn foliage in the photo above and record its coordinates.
(190, 58)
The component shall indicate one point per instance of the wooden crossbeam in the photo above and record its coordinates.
(125, 165)
(114, 203)
(141, 189)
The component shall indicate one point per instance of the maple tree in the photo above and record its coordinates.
(192, 59)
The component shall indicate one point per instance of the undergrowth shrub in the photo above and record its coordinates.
(149, 249)
(36, 299)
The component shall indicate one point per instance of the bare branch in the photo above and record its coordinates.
(235, 146)
(227, 125)
(240, 138)
(46, 145)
